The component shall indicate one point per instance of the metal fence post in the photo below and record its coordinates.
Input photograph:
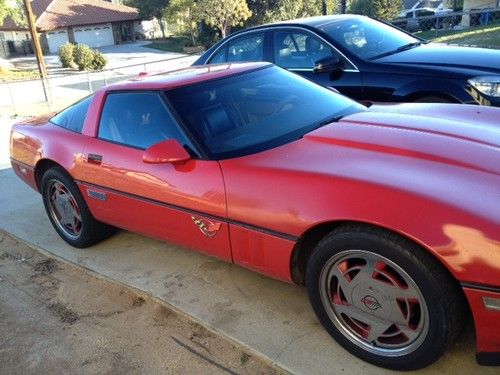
(89, 82)
(12, 99)
(48, 93)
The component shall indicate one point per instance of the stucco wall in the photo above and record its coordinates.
(468, 4)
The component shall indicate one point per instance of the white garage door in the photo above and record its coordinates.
(56, 39)
(94, 35)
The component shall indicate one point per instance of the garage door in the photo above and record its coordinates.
(94, 35)
(56, 39)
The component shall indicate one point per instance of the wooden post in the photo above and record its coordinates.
(35, 40)
(38, 49)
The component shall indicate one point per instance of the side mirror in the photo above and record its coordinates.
(327, 64)
(169, 151)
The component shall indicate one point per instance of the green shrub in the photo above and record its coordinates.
(83, 57)
(98, 60)
(66, 55)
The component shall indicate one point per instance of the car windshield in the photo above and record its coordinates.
(367, 38)
(256, 110)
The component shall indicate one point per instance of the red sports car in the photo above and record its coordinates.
(390, 215)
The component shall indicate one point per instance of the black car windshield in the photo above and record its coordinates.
(367, 38)
(256, 110)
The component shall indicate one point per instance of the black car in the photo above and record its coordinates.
(368, 60)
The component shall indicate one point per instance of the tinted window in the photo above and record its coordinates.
(137, 119)
(245, 48)
(73, 117)
(257, 110)
(367, 38)
(299, 49)
(220, 56)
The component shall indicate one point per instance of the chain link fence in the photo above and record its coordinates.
(31, 97)
(430, 23)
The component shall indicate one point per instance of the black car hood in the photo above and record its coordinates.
(480, 60)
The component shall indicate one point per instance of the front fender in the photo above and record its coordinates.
(428, 86)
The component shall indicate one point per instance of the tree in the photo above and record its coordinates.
(14, 11)
(4, 10)
(149, 9)
(265, 11)
(18, 14)
(387, 9)
(364, 7)
(343, 6)
(381, 9)
(185, 13)
(224, 14)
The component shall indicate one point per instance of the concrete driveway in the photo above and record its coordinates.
(269, 317)
(118, 55)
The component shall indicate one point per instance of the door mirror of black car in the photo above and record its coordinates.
(328, 64)
(169, 151)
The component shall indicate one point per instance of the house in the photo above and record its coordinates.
(481, 4)
(96, 23)
(474, 19)
(409, 5)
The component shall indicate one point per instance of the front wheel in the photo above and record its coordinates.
(68, 212)
(383, 298)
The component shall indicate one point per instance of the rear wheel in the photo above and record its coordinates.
(382, 298)
(68, 212)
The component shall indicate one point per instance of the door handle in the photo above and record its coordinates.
(94, 159)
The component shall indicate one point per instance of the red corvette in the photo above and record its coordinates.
(390, 215)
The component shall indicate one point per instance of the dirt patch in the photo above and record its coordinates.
(56, 318)
(46, 266)
(65, 314)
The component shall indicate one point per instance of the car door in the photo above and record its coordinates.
(183, 203)
(298, 50)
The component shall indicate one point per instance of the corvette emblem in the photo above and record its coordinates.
(206, 227)
(371, 302)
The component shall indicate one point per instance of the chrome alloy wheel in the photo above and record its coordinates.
(64, 210)
(374, 303)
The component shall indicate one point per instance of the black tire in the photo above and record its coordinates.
(85, 230)
(433, 99)
(435, 318)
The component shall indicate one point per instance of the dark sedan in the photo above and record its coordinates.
(368, 60)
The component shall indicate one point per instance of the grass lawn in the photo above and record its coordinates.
(172, 44)
(483, 36)
(18, 75)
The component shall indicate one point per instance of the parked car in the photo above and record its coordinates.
(424, 19)
(368, 60)
(388, 214)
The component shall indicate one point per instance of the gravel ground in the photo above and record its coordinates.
(57, 319)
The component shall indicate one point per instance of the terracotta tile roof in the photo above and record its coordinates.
(52, 14)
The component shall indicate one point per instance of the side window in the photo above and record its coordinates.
(137, 119)
(220, 56)
(299, 49)
(246, 48)
(73, 117)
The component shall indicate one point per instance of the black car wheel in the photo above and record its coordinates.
(383, 298)
(68, 212)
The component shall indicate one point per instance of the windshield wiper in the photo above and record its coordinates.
(397, 50)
